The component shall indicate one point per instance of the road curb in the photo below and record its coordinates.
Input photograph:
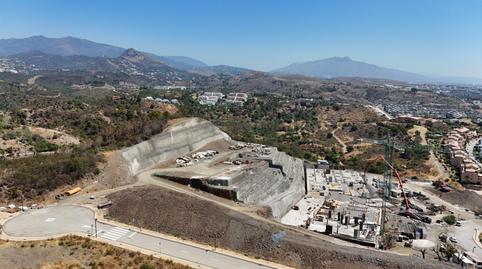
(476, 238)
(100, 218)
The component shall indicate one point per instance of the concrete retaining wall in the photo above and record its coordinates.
(278, 186)
(180, 139)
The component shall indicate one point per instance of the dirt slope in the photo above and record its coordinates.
(166, 211)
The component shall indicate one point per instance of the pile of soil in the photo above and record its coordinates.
(188, 217)
(464, 198)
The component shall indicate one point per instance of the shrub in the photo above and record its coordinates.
(449, 219)
(147, 266)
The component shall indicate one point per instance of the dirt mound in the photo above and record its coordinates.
(465, 198)
(179, 214)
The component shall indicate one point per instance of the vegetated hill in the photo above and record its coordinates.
(81, 52)
(179, 62)
(131, 62)
(69, 46)
(220, 70)
(346, 67)
(58, 46)
(74, 251)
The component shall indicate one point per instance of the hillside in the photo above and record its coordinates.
(346, 67)
(58, 46)
(220, 70)
(131, 64)
(70, 46)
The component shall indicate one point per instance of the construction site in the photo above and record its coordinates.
(194, 182)
(198, 154)
(350, 205)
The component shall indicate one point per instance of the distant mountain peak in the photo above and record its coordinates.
(346, 67)
(344, 58)
(130, 52)
(136, 56)
(37, 37)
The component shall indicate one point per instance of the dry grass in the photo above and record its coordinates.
(75, 252)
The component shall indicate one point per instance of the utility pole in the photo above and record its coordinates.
(95, 226)
(387, 176)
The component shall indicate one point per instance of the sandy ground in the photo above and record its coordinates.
(343, 145)
(423, 133)
(33, 79)
(20, 148)
(54, 136)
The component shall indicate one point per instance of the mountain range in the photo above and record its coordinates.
(75, 53)
(346, 67)
(72, 46)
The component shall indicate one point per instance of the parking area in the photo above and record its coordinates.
(50, 221)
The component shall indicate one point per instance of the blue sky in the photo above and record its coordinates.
(426, 36)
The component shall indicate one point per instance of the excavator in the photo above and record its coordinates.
(407, 212)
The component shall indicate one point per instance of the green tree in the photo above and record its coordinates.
(450, 219)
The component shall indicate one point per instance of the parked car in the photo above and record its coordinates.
(453, 239)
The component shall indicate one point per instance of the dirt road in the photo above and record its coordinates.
(343, 145)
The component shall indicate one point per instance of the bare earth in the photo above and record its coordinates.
(182, 215)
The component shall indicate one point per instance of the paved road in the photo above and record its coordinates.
(470, 148)
(463, 234)
(49, 221)
(69, 219)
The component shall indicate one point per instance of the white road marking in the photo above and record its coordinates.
(49, 219)
(113, 238)
(115, 233)
(86, 226)
(132, 234)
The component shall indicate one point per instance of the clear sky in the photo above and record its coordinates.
(426, 36)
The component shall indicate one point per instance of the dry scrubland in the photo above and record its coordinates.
(75, 252)
(184, 216)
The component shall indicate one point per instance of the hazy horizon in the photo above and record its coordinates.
(426, 37)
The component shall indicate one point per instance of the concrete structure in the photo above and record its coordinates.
(237, 98)
(341, 206)
(177, 140)
(262, 176)
(468, 260)
(210, 98)
(279, 184)
(454, 147)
